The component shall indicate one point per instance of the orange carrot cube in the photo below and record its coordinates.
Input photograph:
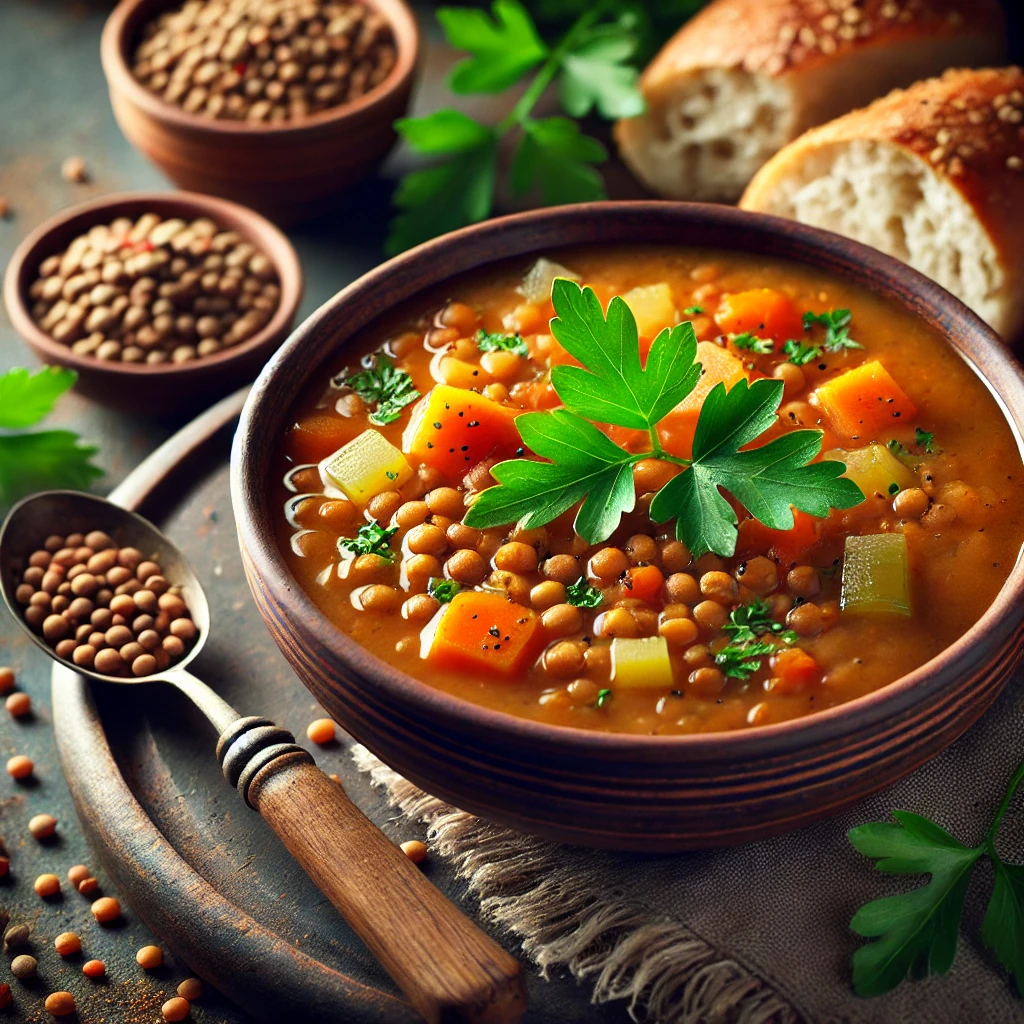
(865, 403)
(764, 312)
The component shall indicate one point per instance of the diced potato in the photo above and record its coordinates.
(367, 465)
(652, 307)
(641, 663)
(875, 470)
(864, 403)
(876, 575)
(536, 285)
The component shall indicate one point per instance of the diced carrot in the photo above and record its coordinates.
(864, 403)
(761, 311)
(719, 365)
(793, 670)
(644, 582)
(788, 546)
(452, 429)
(484, 632)
(317, 436)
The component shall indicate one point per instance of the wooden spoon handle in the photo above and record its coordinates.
(446, 966)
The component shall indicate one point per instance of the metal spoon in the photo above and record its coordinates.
(446, 966)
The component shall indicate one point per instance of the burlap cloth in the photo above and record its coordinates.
(753, 934)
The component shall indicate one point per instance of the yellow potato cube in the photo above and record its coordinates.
(365, 466)
(642, 662)
(875, 470)
(652, 307)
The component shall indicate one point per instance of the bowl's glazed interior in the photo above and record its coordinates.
(642, 792)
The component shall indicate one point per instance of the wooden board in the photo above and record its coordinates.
(201, 869)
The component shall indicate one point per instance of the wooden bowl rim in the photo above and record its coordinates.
(862, 264)
(253, 226)
(125, 18)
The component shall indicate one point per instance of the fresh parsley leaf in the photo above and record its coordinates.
(441, 589)
(603, 696)
(370, 539)
(746, 340)
(582, 595)
(1002, 930)
(741, 661)
(768, 481)
(612, 386)
(748, 622)
(26, 397)
(894, 488)
(916, 931)
(837, 328)
(924, 439)
(596, 73)
(585, 465)
(502, 48)
(693, 310)
(557, 157)
(384, 385)
(488, 342)
(447, 195)
(800, 354)
(44, 460)
(900, 450)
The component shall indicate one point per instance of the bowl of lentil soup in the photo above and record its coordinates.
(177, 298)
(276, 104)
(601, 647)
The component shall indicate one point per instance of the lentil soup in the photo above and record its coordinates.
(391, 451)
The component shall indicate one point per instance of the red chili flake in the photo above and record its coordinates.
(240, 67)
(146, 246)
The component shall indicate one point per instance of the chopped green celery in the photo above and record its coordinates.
(536, 285)
(876, 574)
(365, 466)
(874, 470)
(641, 663)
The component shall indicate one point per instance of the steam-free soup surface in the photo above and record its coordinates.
(939, 469)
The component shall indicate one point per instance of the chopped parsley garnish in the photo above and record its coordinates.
(488, 342)
(370, 539)
(582, 594)
(693, 310)
(746, 340)
(603, 696)
(751, 621)
(924, 439)
(583, 465)
(899, 449)
(741, 661)
(894, 488)
(837, 329)
(442, 590)
(800, 354)
(383, 384)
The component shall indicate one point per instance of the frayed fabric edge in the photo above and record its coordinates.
(664, 972)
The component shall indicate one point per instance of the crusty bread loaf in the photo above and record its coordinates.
(933, 174)
(744, 77)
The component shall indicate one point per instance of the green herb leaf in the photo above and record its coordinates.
(385, 386)
(800, 354)
(924, 439)
(746, 340)
(447, 195)
(488, 342)
(585, 465)
(582, 595)
(768, 481)
(915, 931)
(837, 329)
(1003, 927)
(741, 661)
(44, 460)
(603, 696)
(370, 539)
(555, 156)
(442, 590)
(596, 74)
(748, 622)
(502, 49)
(26, 397)
(612, 386)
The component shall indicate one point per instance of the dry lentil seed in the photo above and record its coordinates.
(77, 873)
(67, 944)
(94, 968)
(60, 1004)
(15, 936)
(18, 705)
(20, 766)
(88, 886)
(7, 679)
(105, 909)
(192, 988)
(149, 957)
(175, 1009)
(24, 966)
(415, 850)
(321, 731)
(46, 886)
(42, 826)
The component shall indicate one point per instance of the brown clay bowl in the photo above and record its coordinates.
(644, 793)
(288, 172)
(165, 388)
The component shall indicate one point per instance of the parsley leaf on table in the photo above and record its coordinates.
(746, 340)
(502, 48)
(582, 595)
(837, 329)
(385, 386)
(26, 397)
(596, 74)
(612, 386)
(768, 481)
(497, 342)
(556, 156)
(800, 354)
(370, 539)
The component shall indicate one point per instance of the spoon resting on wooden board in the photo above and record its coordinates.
(446, 966)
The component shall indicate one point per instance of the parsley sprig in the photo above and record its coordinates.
(370, 539)
(583, 465)
(800, 354)
(583, 595)
(837, 328)
(384, 385)
(747, 627)
(442, 589)
(917, 932)
(590, 69)
(924, 439)
(488, 342)
(752, 343)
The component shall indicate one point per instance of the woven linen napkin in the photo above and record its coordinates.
(755, 934)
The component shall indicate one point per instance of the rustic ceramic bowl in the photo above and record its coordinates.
(167, 387)
(290, 171)
(645, 793)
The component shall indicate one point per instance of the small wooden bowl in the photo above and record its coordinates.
(288, 172)
(644, 793)
(167, 388)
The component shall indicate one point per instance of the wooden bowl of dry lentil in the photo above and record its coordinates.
(278, 104)
(160, 301)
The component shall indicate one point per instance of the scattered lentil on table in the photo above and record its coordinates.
(149, 957)
(18, 705)
(176, 1008)
(67, 944)
(321, 731)
(74, 170)
(60, 1004)
(106, 909)
(20, 766)
(264, 60)
(47, 885)
(191, 989)
(155, 290)
(7, 679)
(415, 850)
(42, 826)
(24, 966)
(94, 968)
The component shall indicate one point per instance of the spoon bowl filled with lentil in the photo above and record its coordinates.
(641, 525)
